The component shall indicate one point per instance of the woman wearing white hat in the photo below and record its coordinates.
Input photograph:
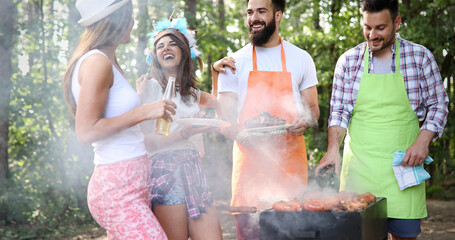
(107, 111)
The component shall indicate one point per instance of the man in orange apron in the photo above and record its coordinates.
(382, 89)
(275, 77)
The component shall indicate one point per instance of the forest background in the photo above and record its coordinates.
(44, 171)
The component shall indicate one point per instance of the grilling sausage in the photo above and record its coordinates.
(281, 206)
(286, 206)
(315, 205)
(296, 205)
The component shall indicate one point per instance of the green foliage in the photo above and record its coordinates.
(49, 170)
(432, 24)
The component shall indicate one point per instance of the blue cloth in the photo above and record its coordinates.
(408, 176)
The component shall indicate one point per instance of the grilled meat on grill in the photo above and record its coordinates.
(286, 206)
(340, 202)
(315, 205)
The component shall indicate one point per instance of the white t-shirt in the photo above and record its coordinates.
(298, 62)
(187, 108)
(126, 144)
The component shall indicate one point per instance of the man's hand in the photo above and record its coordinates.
(298, 127)
(220, 65)
(330, 159)
(332, 156)
(418, 151)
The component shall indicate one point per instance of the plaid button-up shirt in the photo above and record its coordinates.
(423, 82)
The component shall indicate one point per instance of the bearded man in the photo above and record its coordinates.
(389, 96)
(271, 76)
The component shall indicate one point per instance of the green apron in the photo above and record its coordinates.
(382, 122)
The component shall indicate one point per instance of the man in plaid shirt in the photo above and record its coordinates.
(388, 95)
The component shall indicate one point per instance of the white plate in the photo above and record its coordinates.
(202, 121)
(268, 129)
(251, 136)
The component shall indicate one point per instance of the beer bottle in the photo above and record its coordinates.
(162, 127)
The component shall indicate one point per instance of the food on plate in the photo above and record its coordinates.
(264, 119)
(317, 202)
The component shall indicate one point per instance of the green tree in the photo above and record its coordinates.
(432, 24)
(8, 39)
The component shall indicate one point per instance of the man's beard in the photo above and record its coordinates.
(260, 38)
(387, 41)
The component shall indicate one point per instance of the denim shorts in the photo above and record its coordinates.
(177, 194)
(177, 178)
(404, 228)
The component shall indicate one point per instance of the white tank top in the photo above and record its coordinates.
(124, 145)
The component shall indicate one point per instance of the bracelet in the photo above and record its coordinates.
(181, 134)
(213, 69)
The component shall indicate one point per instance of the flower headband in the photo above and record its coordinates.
(165, 27)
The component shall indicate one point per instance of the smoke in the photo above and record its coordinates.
(267, 167)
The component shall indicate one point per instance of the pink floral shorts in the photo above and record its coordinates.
(118, 199)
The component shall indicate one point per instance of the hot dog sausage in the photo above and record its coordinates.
(315, 205)
(281, 206)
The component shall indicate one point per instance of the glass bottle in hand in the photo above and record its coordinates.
(162, 127)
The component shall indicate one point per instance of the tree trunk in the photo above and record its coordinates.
(8, 12)
(316, 15)
(190, 12)
(144, 27)
(221, 14)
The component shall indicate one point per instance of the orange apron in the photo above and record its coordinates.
(275, 169)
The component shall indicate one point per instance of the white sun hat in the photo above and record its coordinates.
(94, 10)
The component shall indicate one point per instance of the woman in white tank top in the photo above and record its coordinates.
(107, 112)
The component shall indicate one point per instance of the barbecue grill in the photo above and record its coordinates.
(367, 224)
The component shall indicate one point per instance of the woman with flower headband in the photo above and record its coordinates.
(107, 112)
(180, 197)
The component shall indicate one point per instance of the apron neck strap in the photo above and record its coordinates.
(283, 58)
(366, 66)
(397, 56)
